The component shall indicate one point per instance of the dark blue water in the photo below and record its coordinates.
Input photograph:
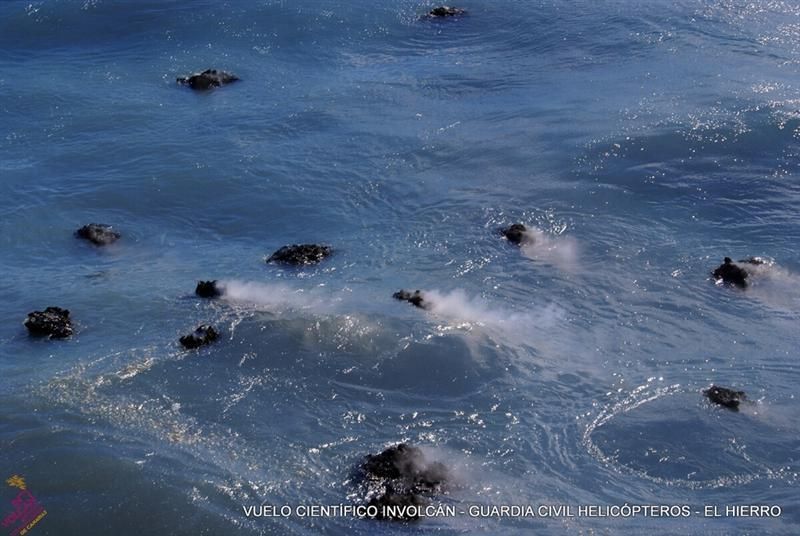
(644, 140)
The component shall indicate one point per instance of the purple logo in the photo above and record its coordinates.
(27, 511)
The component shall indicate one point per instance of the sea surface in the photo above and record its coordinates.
(641, 141)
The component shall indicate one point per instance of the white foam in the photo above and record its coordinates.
(273, 296)
(773, 285)
(465, 311)
(559, 251)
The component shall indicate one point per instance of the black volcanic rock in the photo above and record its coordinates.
(725, 397)
(415, 298)
(731, 274)
(300, 254)
(201, 336)
(207, 79)
(401, 475)
(516, 234)
(53, 322)
(445, 11)
(407, 464)
(98, 234)
(208, 289)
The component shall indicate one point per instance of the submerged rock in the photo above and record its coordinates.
(725, 397)
(207, 79)
(203, 335)
(416, 298)
(299, 254)
(400, 476)
(99, 234)
(445, 11)
(731, 274)
(53, 322)
(516, 234)
(208, 289)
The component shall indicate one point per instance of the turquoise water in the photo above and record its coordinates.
(646, 141)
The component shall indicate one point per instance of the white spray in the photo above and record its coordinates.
(465, 311)
(560, 251)
(274, 296)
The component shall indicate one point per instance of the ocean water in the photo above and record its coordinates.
(643, 141)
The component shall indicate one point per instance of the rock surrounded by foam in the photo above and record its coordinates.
(53, 322)
(407, 463)
(517, 234)
(201, 336)
(301, 254)
(98, 234)
(731, 274)
(414, 298)
(207, 79)
(725, 397)
(401, 475)
(208, 289)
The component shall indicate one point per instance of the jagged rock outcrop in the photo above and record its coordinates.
(53, 322)
(201, 336)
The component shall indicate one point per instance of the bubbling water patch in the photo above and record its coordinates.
(458, 311)
(154, 418)
(774, 285)
(674, 452)
(274, 296)
(559, 251)
(462, 311)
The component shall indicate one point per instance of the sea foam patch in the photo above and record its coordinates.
(559, 251)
